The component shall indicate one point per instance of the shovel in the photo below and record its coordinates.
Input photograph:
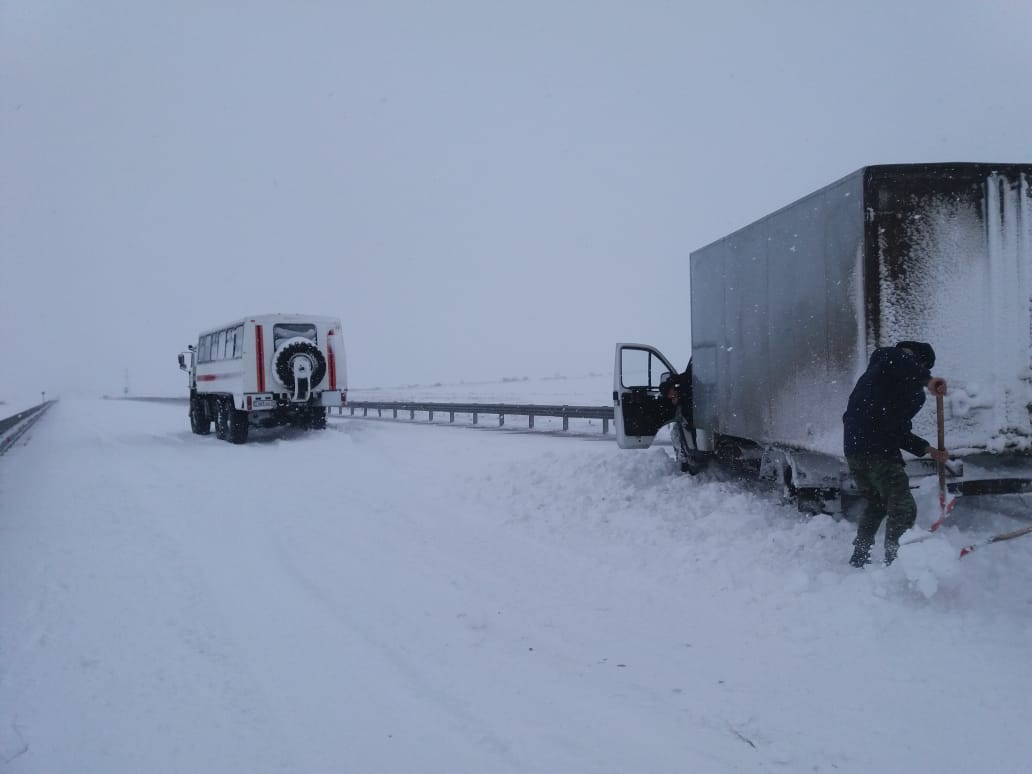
(996, 539)
(944, 509)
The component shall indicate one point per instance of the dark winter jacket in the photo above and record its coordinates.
(884, 401)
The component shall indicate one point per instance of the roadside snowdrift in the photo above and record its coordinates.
(389, 596)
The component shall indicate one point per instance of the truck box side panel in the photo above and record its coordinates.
(950, 262)
(777, 322)
(786, 311)
(816, 293)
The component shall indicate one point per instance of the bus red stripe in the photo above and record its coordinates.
(259, 357)
(332, 363)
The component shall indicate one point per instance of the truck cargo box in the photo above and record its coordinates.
(786, 311)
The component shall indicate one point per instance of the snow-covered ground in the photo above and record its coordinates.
(400, 597)
(587, 390)
(16, 403)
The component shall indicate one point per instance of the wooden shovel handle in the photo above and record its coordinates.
(942, 445)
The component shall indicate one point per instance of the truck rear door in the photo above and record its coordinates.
(638, 408)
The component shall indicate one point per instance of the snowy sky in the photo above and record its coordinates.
(478, 189)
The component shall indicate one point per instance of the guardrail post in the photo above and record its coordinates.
(605, 426)
(395, 413)
(365, 411)
(412, 414)
(501, 419)
(451, 416)
(379, 412)
(431, 413)
(531, 423)
(474, 417)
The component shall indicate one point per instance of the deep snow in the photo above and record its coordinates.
(392, 596)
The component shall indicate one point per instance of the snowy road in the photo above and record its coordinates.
(390, 597)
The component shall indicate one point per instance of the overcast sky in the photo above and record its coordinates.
(477, 189)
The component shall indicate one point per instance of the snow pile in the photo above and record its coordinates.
(402, 597)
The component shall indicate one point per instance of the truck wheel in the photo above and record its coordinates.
(236, 424)
(317, 421)
(200, 422)
(221, 420)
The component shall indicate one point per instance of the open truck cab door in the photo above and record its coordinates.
(638, 409)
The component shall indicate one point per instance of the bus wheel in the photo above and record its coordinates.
(317, 420)
(221, 420)
(200, 422)
(236, 424)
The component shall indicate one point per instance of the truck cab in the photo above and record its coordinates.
(641, 410)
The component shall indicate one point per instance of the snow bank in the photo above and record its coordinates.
(402, 597)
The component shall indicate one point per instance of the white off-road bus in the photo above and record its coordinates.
(263, 371)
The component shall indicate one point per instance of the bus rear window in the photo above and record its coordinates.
(284, 331)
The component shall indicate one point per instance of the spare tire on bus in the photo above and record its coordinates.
(291, 349)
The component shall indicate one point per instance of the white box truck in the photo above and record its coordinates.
(786, 311)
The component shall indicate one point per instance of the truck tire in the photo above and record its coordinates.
(221, 419)
(200, 422)
(317, 420)
(281, 361)
(236, 424)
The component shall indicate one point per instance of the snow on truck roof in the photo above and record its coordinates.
(932, 169)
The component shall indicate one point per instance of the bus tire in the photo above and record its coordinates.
(200, 422)
(236, 424)
(221, 419)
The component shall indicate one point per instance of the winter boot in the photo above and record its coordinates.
(891, 549)
(861, 552)
(895, 527)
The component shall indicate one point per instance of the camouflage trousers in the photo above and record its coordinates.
(883, 482)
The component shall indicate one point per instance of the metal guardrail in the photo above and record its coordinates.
(182, 399)
(13, 427)
(566, 413)
(501, 410)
